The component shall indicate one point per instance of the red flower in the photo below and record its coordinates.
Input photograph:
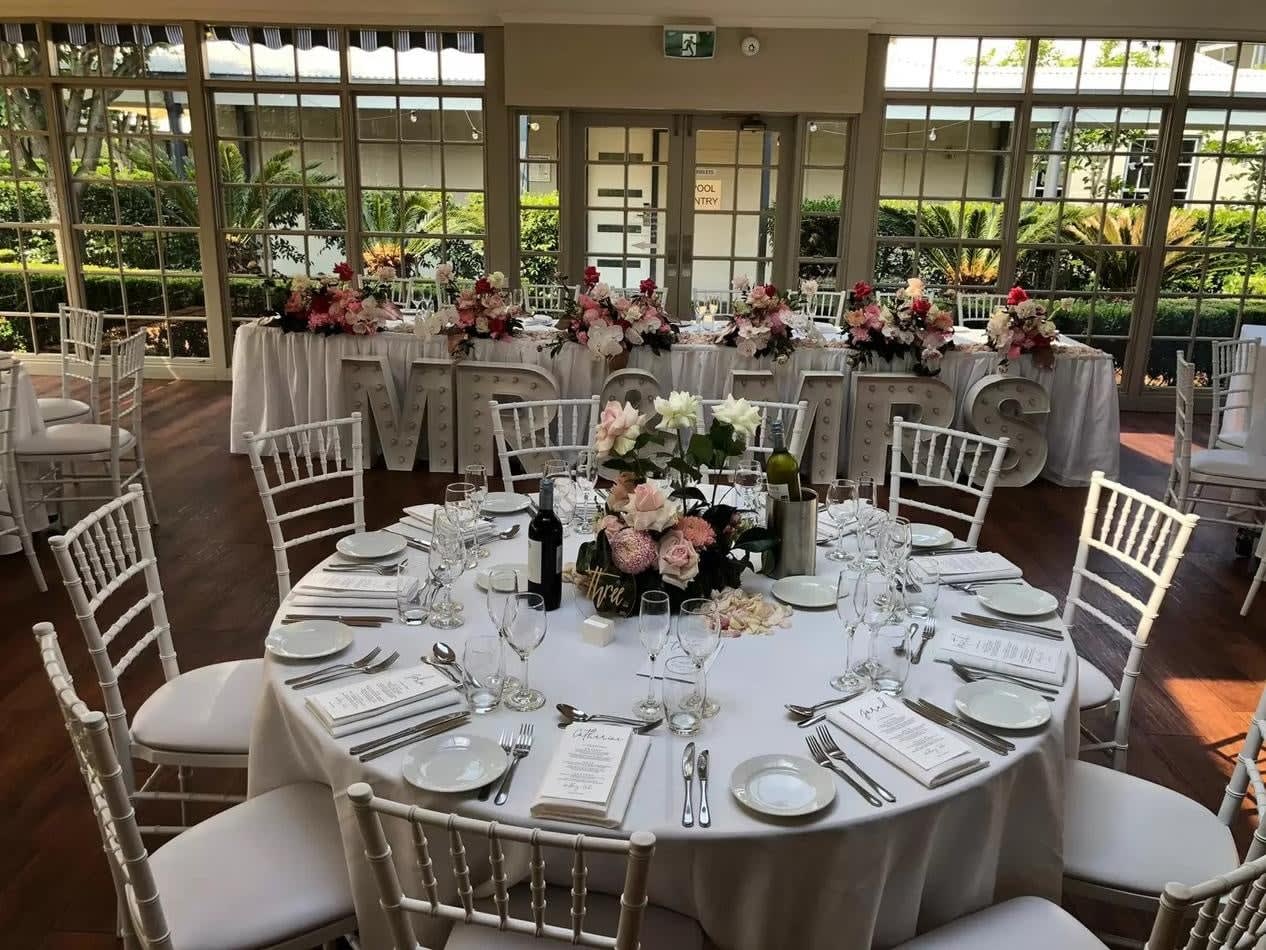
(647, 286)
(483, 286)
(862, 289)
(771, 290)
(344, 271)
(496, 327)
(1016, 296)
(591, 275)
(921, 305)
(320, 303)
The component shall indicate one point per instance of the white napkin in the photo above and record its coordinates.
(425, 514)
(449, 698)
(354, 705)
(1038, 659)
(961, 567)
(587, 813)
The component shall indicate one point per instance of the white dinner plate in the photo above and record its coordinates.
(783, 785)
(1002, 705)
(505, 502)
(454, 763)
(481, 578)
(370, 545)
(805, 590)
(1019, 600)
(308, 639)
(930, 536)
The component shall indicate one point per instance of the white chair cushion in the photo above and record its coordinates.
(1094, 689)
(661, 928)
(1235, 440)
(270, 868)
(1233, 463)
(1028, 922)
(1123, 832)
(55, 409)
(207, 710)
(73, 438)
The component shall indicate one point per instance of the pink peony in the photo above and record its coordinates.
(697, 531)
(678, 560)
(618, 428)
(633, 551)
(649, 509)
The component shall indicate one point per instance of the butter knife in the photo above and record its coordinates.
(452, 723)
(705, 816)
(688, 773)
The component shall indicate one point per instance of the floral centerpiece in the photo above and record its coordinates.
(659, 531)
(917, 327)
(762, 322)
(329, 303)
(1022, 325)
(610, 324)
(480, 312)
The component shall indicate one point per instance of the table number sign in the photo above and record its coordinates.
(610, 593)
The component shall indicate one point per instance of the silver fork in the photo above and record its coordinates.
(927, 631)
(344, 674)
(507, 745)
(386, 570)
(824, 760)
(365, 660)
(832, 749)
(522, 746)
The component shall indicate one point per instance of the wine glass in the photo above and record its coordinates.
(477, 475)
(841, 507)
(894, 546)
(699, 633)
(653, 622)
(745, 477)
(850, 606)
(586, 504)
(462, 506)
(503, 584)
(524, 632)
(877, 607)
(446, 560)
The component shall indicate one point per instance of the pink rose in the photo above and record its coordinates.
(756, 296)
(586, 302)
(620, 492)
(649, 509)
(678, 560)
(621, 303)
(618, 428)
(582, 337)
(594, 316)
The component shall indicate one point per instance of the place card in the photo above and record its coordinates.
(586, 763)
(370, 697)
(1043, 660)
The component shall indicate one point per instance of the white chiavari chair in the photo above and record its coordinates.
(826, 306)
(67, 455)
(531, 433)
(307, 458)
(945, 458)
(402, 291)
(1234, 369)
(1231, 913)
(494, 924)
(200, 718)
(974, 310)
(269, 872)
(12, 505)
(548, 299)
(795, 425)
(713, 303)
(1028, 922)
(1258, 578)
(1146, 539)
(80, 356)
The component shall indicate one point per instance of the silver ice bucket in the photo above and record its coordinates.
(795, 524)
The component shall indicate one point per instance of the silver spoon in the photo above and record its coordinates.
(575, 714)
(509, 532)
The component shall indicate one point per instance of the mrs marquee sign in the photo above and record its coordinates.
(451, 401)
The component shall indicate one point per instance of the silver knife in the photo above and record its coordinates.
(970, 725)
(452, 723)
(997, 622)
(442, 718)
(705, 816)
(987, 741)
(688, 773)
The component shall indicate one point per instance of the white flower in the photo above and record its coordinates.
(633, 313)
(481, 324)
(601, 291)
(300, 283)
(681, 410)
(428, 325)
(913, 288)
(746, 348)
(606, 340)
(497, 279)
(742, 283)
(633, 336)
(808, 287)
(447, 315)
(385, 272)
(1066, 303)
(739, 413)
(444, 274)
(1027, 308)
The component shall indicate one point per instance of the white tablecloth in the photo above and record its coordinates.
(27, 422)
(849, 878)
(283, 379)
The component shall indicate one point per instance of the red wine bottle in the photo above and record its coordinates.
(545, 550)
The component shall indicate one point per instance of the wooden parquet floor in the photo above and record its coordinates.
(1203, 675)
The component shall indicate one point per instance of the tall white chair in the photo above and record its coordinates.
(269, 872)
(12, 505)
(1234, 369)
(826, 306)
(531, 433)
(1258, 578)
(976, 309)
(306, 458)
(1231, 912)
(1147, 539)
(945, 458)
(795, 425)
(80, 358)
(402, 291)
(1028, 922)
(636, 923)
(550, 299)
(196, 719)
(70, 454)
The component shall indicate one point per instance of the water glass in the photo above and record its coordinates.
(921, 585)
(524, 633)
(653, 622)
(842, 508)
(411, 600)
(890, 651)
(481, 657)
(681, 698)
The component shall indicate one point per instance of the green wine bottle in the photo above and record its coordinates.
(782, 470)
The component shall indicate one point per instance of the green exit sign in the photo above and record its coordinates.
(690, 42)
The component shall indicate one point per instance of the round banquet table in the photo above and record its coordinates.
(27, 422)
(850, 877)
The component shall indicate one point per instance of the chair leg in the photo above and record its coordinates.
(18, 509)
(33, 560)
(182, 783)
(149, 491)
(1257, 578)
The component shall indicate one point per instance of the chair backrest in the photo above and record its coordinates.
(637, 850)
(545, 298)
(946, 458)
(713, 302)
(826, 306)
(1147, 538)
(1234, 369)
(80, 350)
(1231, 912)
(793, 415)
(534, 432)
(127, 387)
(402, 291)
(305, 456)
(97, 558)
(1184, 418)
(976, 309)
(99, 765)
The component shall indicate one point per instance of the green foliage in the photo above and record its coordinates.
(538, 232)
(10, 340)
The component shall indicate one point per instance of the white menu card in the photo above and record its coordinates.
(963, 566)
(1045, 661)
(369, 697)
(586, 763)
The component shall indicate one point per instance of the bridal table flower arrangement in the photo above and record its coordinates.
(611, 324)
(481, 312)
(918, 327)
(1022, 325)
(762, 322)
(659, 531)
(329, 303)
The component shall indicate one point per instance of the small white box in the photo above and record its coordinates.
(598, 631)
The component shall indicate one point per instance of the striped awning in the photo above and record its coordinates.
(402, 41)
(19, 33)
(116, 34)
(275, 37)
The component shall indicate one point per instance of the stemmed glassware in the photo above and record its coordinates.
(477, 475)
(842, 508)
(699, 633)
(524, 632)
(564, 490)
(461, 504)
(653, 622)
(746, 476)
(851, 609)
(879, 606)
(503, 585)
(586, 504)
(446, 561)
(894, 546)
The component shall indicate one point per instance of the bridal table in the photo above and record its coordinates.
(284, 379)
(850, 877)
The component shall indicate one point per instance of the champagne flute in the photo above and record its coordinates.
(699, 633)
(869, 515)
(524, 633)
(877, 608)
(462, 508)
(503, 584)
(850, 606)
(560, 471)
(477, 475)
(746, 476)
(653, 623)
(841, 507)
(894, 546)
(446, 560)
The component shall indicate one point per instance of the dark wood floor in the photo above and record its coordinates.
(1202, 679)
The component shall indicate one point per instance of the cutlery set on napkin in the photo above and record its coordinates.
(329, 593)
(591, 777)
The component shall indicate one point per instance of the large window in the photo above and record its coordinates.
(822, 185)
(538, 184)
